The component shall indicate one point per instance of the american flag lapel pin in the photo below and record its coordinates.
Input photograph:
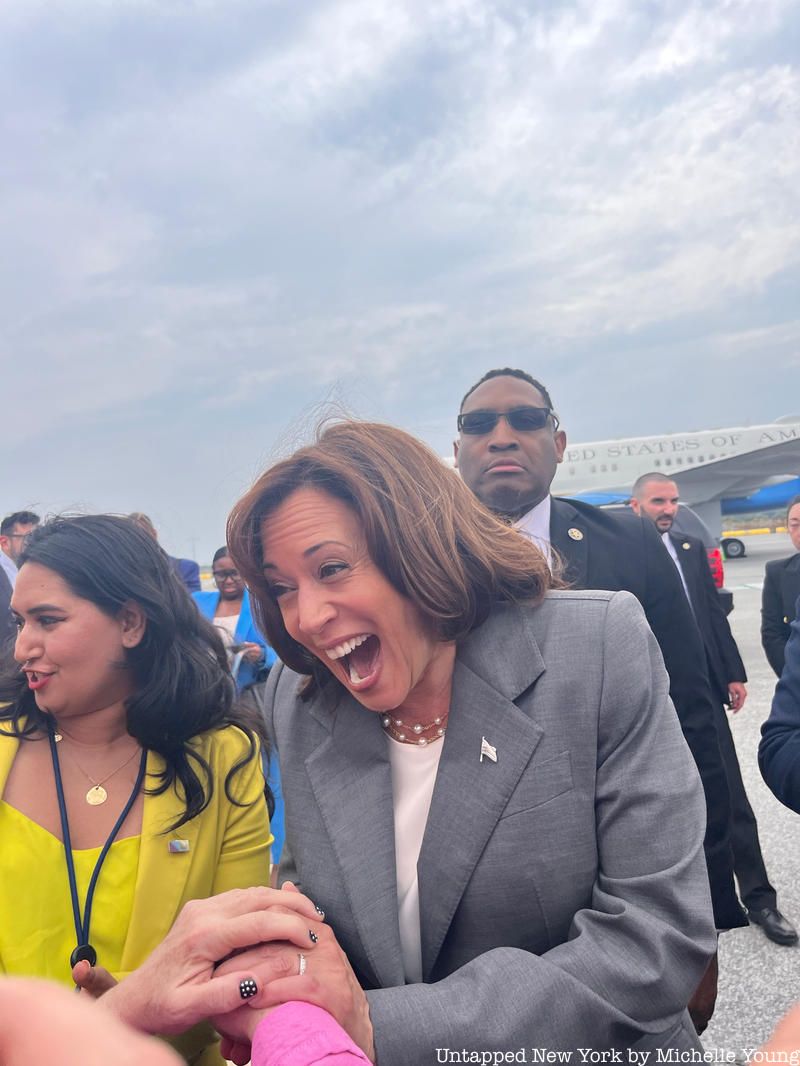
(487, 750)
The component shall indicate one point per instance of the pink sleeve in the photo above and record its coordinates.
(300, 1034)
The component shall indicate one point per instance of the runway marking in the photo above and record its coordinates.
(758, 585)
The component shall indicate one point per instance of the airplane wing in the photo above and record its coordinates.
(737, 475)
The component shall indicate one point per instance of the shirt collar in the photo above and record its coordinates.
(536, 526)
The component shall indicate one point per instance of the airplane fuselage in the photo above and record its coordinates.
(612, 466)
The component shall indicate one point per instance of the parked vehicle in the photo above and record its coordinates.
(732, 547)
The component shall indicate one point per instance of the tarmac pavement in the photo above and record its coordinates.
(759, 980)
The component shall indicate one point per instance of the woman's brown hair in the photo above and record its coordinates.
(424, 529)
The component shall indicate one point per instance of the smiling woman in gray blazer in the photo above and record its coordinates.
(486, 787)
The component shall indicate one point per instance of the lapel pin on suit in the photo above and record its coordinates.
(575, 534)
(686, 545)
(487, 750)
(176, 847)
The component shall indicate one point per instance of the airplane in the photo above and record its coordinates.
(717, 471)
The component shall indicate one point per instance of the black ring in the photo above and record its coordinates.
(247, 988)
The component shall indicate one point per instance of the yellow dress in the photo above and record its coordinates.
(34, 899)
(226, 846)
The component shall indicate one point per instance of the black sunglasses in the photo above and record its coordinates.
(523, 419)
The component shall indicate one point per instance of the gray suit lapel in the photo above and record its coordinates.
(470, 796)
(352, 783)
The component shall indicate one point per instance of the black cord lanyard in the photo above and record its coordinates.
(84, 950)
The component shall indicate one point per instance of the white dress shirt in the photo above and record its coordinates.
(10, 568)
(536, 526)
(675, 558)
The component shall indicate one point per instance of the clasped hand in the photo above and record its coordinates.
(233, 958)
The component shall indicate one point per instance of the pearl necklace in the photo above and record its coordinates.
(395, 727)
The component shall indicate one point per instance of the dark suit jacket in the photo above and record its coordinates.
(7, 628)
(778, 611)
(779, 751)
(188, 571)
(620, 551)
(724, 661)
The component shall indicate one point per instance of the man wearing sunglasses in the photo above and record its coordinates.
(508, 450)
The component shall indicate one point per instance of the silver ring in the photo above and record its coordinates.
(301, 962)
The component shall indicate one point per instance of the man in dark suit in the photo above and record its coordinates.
(507, 452)
(655, 496)
(780, 594)
(7, 628)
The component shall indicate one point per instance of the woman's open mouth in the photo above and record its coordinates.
(359, 657)
(36, 680)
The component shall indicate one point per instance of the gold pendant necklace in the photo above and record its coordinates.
(97, 794)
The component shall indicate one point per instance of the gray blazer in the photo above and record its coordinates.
(563, 895)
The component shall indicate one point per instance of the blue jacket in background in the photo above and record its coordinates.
(247, 673)
(245, 632)
(188, 571)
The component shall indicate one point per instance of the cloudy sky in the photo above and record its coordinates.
(219, 216)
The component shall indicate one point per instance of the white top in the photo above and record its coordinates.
(676, 559)
(414, 772)
(9, 566)
(536, 526)
(226, 624)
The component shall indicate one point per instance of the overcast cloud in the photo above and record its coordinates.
(217, 215)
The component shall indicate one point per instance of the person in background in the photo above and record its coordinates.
(249, 654)
(780, 593)
(14, 532)
(129, 781)
(7, 628)
(486, 787)
(655, 496)
(509, 447)
(186, 569)
(229, 609)
(779, 750)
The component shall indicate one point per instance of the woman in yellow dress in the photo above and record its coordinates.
(129, 784)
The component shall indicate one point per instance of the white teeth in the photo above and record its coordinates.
(344, 649)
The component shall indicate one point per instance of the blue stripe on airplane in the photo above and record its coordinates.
(766, 499)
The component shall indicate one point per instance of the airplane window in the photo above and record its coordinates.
(594, 469)
(613, 466)
(667, 462)
(572, 470)
(700, 459)
(689, 458)
(603, 468)
(679, 461)
(658, 462)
